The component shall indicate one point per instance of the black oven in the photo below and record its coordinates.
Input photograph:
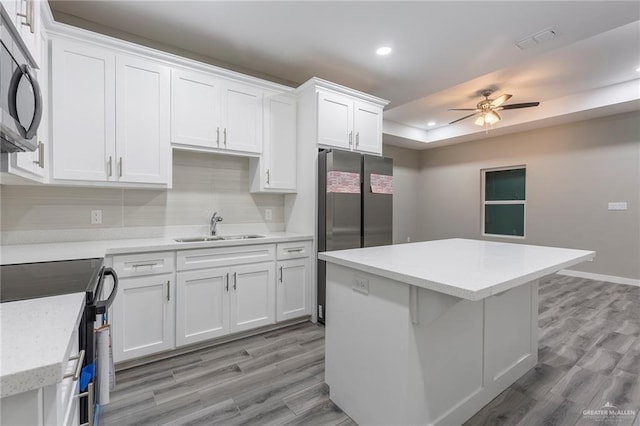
(20, 96)
(43, 279)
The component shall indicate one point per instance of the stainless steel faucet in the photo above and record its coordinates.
(214, 223)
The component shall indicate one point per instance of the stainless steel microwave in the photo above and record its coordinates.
(20, 96)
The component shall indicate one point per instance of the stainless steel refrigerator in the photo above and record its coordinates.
(355, 206)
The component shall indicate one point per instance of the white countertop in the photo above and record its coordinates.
(26, 253)
(469, 269)
(35, 337)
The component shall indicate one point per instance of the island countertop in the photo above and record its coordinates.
(469, 269)
(35, 339)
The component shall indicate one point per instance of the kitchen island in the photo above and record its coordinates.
(430, 332)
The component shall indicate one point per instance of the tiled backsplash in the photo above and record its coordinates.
(202, 183)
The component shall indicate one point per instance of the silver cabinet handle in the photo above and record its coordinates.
(120, 167)
(40, 161)
(225, 137)
(109, 166)
(168, 290)
(227, 281)
(357, 139)
(298, 250)
(89, 395)
(235, 280)
(268, 177)
(350, 138)
(281, 274)
(78, 368)
(218, 136)
(140, 265)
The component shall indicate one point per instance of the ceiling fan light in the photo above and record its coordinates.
(479, 121)
(491, 117)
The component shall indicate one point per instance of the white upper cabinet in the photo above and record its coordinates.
(242, 111)
(110, 116)
(347, 123)
(142, 117)
(83, 111)
(208, 112)
(276, 170)
(335, 120)
(195, 109)
(367, 126)
(25, 16)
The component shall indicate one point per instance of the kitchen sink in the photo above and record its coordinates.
(198, 239)
(217, 238)
(242, 237)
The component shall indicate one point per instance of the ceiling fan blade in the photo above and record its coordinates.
(500, 100)
(523, 105)
(462, 109)
(466, 116)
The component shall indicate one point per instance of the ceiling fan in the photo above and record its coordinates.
(488, 108)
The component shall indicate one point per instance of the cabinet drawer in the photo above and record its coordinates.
(136, 265)
(294, 250)
(224, 256)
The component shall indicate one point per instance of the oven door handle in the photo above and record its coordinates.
(103, 305)
(25, 70)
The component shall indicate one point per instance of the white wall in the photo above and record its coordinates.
(573, 171)
(202, 183)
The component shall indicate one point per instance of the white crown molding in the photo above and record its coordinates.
(318, 83)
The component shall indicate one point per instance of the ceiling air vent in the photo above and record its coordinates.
(535, 39)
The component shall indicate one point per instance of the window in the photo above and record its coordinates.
(503, 201)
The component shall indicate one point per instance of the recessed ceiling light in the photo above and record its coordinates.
(384, 50)
(431, 123)
(638, 69)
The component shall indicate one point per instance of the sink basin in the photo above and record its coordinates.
(242, 237)
(217, 238)
(198, 239)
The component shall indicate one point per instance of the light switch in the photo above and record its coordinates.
(618, 205)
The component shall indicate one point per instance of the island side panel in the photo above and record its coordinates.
(447, 353)
(511, 335)
(367, 343)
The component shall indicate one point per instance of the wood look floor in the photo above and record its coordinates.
(589, 354)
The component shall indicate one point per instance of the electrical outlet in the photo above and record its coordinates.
(408, 239)
(361, 285)
(268, 214)
(96, 217)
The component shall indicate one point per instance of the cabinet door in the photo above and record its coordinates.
(292, 289)
(335, 120)
(142, 117)
(243, 119)
(83, 111)
(252, 296)
(202, 309)
(143, 316)
(29, 27)
(368, 127)
(195, 109)
(280, 143)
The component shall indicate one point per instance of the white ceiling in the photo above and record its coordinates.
(443, 52)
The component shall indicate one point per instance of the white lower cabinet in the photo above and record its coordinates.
(143, 316)
(292, 288)
(218, 301)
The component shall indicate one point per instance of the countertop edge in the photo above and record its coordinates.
(450, 289)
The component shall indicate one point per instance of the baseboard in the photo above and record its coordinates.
(600, 277)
